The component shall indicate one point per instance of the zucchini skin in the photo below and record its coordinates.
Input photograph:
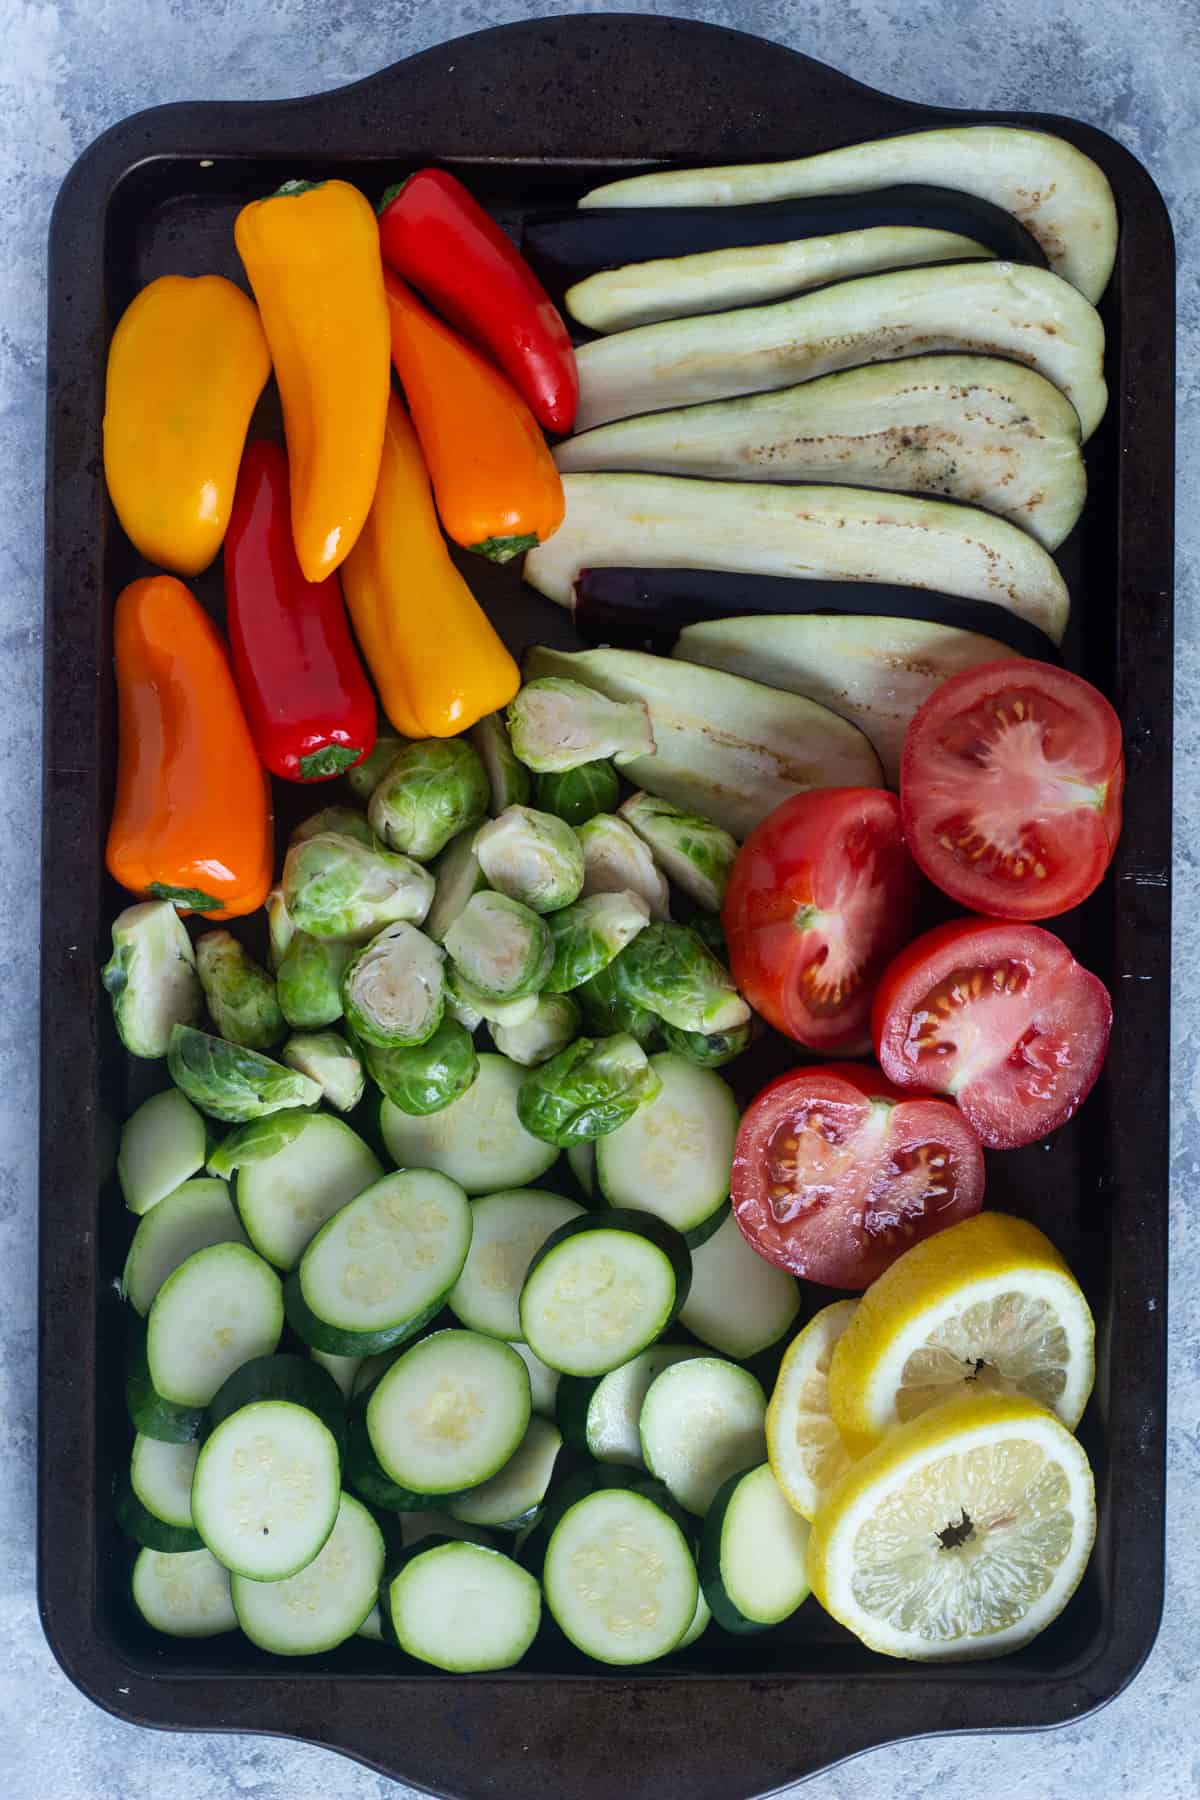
(153, 1416)
(335, 1339)
(282, 1377)
(147, 1529)
(371, 1482)
(728, 1616)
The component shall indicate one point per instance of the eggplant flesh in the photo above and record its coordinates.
(981, 308)
(1060, 195)
(875, 672)
(830, 533)
(973, 428)
(649, 609)
(728, 749)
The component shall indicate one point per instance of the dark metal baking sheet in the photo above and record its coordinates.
(533, 114)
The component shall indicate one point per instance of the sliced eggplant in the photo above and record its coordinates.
(830, 533)
(875, 672)
(988, 308)
(728, 749)
(646, 609)
(675, 287)
(973, 428)
(1057, 192)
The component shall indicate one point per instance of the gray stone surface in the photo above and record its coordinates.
(68, 70)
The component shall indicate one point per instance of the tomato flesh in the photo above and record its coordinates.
(1001, 1016)
(820, 896)
(836, 1172)
(1010, 788)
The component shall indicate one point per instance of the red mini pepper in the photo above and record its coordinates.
(308, 703)
(440, 239)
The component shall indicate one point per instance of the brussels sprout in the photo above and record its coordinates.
(696, 855)
(426, 1077)
(364, 777)
(532, 857)
(341, 821)
(229, 1082)
(394, 990)
(465, 1002)
(280, 928)
(503, 949)
(588, 935)
(151, 977)
(326, 1058)
(458, 876)
(309, 981)
(615, 861)
(588, 1089)
(507, 778)
(337, 888)
(255, 1142)
(557, 724)
(553, 1026)
(577, 795)
(608, 1006)
(241, 995)
(427, 794)
(707, 927)
(464, 1012)
(668, 970)
(711, 1049)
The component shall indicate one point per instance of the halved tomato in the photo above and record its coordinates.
(1010, 788)
(821, 895)
(836, 1172)
(1001, 1016)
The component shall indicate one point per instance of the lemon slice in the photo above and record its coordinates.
(804, 1446)
(986, 1306)
(962, 1535)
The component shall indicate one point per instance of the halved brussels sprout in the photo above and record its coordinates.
(241, 995)
(587, 1090)
(326, 1058)
(429, 793)
(229, 1082)
(426, 1077)
(256, 1141)
(710, 1049)
(393, 991)
(557, 724)
(470, 1006)
(504, 950)
(615, 861)
(508, 780)
(335, 887)
(588, 935)
(365, 775)
(609, 1007)
(458, 876)
(532, 857)
(692, 852)
(309, 981)
(668, 970)
(553, 1026)
(341, 821)
(577, 795)
(151, 977)
(280, 928)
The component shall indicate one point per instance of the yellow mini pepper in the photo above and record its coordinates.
(312, 256)
(187, 363)
(437, 661)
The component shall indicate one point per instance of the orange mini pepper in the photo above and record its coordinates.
(312, 256)
(186, 365)
(192, 820)
(498, 490)
(437, 661)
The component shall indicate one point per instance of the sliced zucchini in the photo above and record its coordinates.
(370, 1368)
(701, 1620)
(619, 1578)
(194, 1217)
(753, 1553)
(582, 1158)
(674, 1156)
(478, 1141)
(507, 1231)
(513, 1497)
(600, 1414)
(160, 1476)
(728, 749)
(463, 1608)
(147, 1529)
(372, 1625)
(415, 1526)
(283, 1200)
(293, 1378)
(185, 1595)
(508, 779)
(266, 1489)
(448, 1414)
(162, 1144)
(974, 428)
(221, 1307)
(153, 1416)
(738, 1303)
(328, 1601)
(382, 1266)
(1058, 193)
(816, 533)
(459, 878)
(701, 1421)
(543, 1381)
(985, 308)
(875, 672)
(344, 1369)
(602, 1288)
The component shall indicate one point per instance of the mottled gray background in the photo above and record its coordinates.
(67, 71)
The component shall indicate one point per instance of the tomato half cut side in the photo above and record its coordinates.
(1010, 788)
(836, 1172)
(820, 897)
(1002, 1017)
